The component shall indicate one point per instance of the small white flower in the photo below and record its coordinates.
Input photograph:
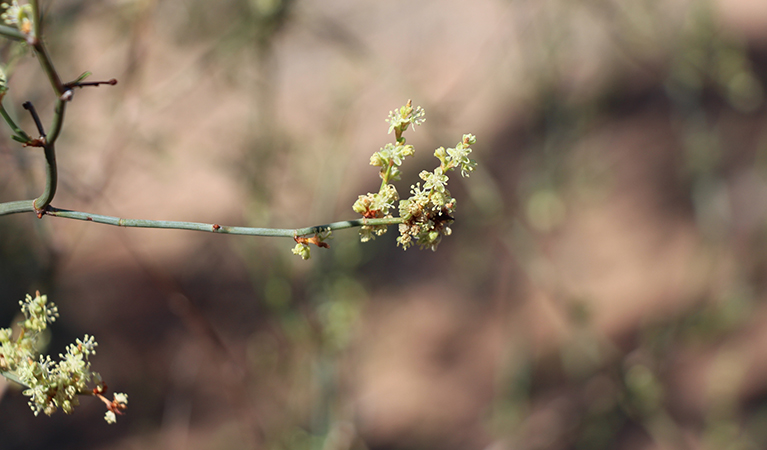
(121, 398)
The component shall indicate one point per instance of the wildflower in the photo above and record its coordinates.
(400, 119)
(434, 180)
(302, 250)
(38, 311)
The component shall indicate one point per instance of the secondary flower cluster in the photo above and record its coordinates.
(427, 214)
(51, 384)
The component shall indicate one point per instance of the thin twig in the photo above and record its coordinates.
(82, 84)
(58, 119)
(51, 179)
(31, 108)
(12, 33)
(18, 133)
(36, 42)
(12, 377)
(27, 206)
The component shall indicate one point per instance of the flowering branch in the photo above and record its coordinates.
(425, 215)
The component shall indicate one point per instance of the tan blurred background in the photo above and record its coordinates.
(604, 286)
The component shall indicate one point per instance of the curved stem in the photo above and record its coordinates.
(51, 178)
(18, 132)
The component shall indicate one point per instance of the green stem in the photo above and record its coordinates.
(58, 121)
(16, 129)
(12, 377)
(47, 64)
(12, 33)
(36, 42)
(27, 206)
(20, 206)
(386, 176)
(51, 178)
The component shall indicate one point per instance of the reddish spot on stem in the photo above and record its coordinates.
(216, 227)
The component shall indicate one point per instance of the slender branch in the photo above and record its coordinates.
(82, 84)
(215, 228)
(58, 120)
(19, 134)
(51, 179)
(37, 18)
(36, 42)
(33, 112)
(12, 33)
(47, 64)
(12, 377)
(27, 206)
(20, 206)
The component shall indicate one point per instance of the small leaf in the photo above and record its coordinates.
(83, 76)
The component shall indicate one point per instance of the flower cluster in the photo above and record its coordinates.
(427, 214)
(19, 16)
(375, 206)
(50, 384)
(401, 118)
(389, 159)
(453, 158)
(38, 312)
(302, 250)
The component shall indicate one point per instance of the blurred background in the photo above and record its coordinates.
(604, 286)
